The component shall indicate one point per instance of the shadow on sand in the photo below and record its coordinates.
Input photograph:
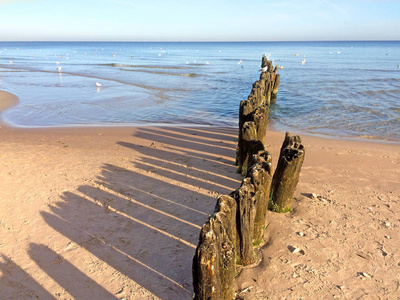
(143, 218)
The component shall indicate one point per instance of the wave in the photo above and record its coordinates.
(119, 65)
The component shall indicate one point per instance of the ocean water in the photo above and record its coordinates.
(345, 89)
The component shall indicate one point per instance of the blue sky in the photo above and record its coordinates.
(206, 20)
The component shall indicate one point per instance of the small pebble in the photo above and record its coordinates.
(388, 237)
(300, 233)
(365, 275)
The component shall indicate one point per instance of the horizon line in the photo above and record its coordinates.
(182, 41)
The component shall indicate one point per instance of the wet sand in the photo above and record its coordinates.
(7, 100)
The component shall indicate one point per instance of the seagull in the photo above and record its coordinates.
(303, 62)
(265, 69)
(98, 84)
(59, 69)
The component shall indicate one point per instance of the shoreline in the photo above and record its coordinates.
(9, 100)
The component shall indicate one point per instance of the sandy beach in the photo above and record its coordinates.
(115, 213)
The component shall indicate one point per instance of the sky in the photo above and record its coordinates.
(205, 20)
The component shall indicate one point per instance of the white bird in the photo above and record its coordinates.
(207, 63)
(59, 69)
(11, 61)
(265, 69)
(98, 84)
(303, 62)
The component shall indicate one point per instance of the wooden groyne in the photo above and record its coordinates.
(236, 227)
(254, 114)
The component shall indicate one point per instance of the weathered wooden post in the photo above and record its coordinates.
(246, 212)
(214, 261)
(248, 145)
(275, 88)
(260, 174)
(287, 173)
(260, 117)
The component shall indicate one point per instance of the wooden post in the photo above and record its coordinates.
(260, 174)
(275, 88)
(260, 117)
(227, 210)
(214, 261)
(246, 212)
(245, 110)
(287, 173)
(205, 277)
(248, 145)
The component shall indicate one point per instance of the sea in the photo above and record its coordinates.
(348, 89)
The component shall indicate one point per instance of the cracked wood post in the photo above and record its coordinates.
(260, 174)
(214, 261)
(246, 212)
(252, 135)
(245, 110)
(287, 173)
(275, 88)
(260, 118)
(248, 145)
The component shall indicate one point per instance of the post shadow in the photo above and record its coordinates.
(208, 150)
(184, 178)
(227, 135)
(188, 205)
(146, 226)
(169, 151)
(135, 250)
(67, 275)
(197, 142)
(15, 283)
(213, 179)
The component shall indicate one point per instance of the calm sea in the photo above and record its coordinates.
(345, 89)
